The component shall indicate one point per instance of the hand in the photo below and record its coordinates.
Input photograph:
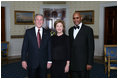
(66, 68)
(88, 67)
(24, 65)
(49, 65)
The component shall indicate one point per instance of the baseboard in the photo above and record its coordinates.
(99, 59)
(14, 57)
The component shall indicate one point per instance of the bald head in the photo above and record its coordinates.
(76, 13)
(77, 19)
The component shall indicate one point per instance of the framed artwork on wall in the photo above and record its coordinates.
(88, 16)
(24, 17)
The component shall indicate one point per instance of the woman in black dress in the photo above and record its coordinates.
(60, 51)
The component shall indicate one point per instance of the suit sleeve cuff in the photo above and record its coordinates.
(49, 61)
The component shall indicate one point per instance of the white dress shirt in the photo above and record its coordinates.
(75, 32)
(41, 31)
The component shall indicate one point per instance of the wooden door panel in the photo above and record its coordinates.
(110, 30)
(3, 24)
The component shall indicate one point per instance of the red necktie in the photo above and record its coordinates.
(38, 38)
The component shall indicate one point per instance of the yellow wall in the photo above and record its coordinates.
(35, 6)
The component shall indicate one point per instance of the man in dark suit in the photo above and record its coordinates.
(82, 44)
(36, 49)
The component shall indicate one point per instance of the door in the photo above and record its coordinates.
(3, 24)
(110, 30)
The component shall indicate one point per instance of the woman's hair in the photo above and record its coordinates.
(60, 21)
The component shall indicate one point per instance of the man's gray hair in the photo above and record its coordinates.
(38, 15)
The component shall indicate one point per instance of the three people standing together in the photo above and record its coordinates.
(60, 53)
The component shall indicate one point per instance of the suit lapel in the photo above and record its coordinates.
(44, 33)
(34, 37)
(43, 36)
(72, 30)
(79, 31)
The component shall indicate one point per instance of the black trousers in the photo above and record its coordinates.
(39, 72)
(80, 74)
(58, 68)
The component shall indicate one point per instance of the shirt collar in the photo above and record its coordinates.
(36, 28)
(80, 24)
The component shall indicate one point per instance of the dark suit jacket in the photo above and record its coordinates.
(31, 53)
(82, 51)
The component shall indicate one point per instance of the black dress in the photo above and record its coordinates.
(60, 54)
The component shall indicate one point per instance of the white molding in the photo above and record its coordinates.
(7, 20)
(101, 24)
